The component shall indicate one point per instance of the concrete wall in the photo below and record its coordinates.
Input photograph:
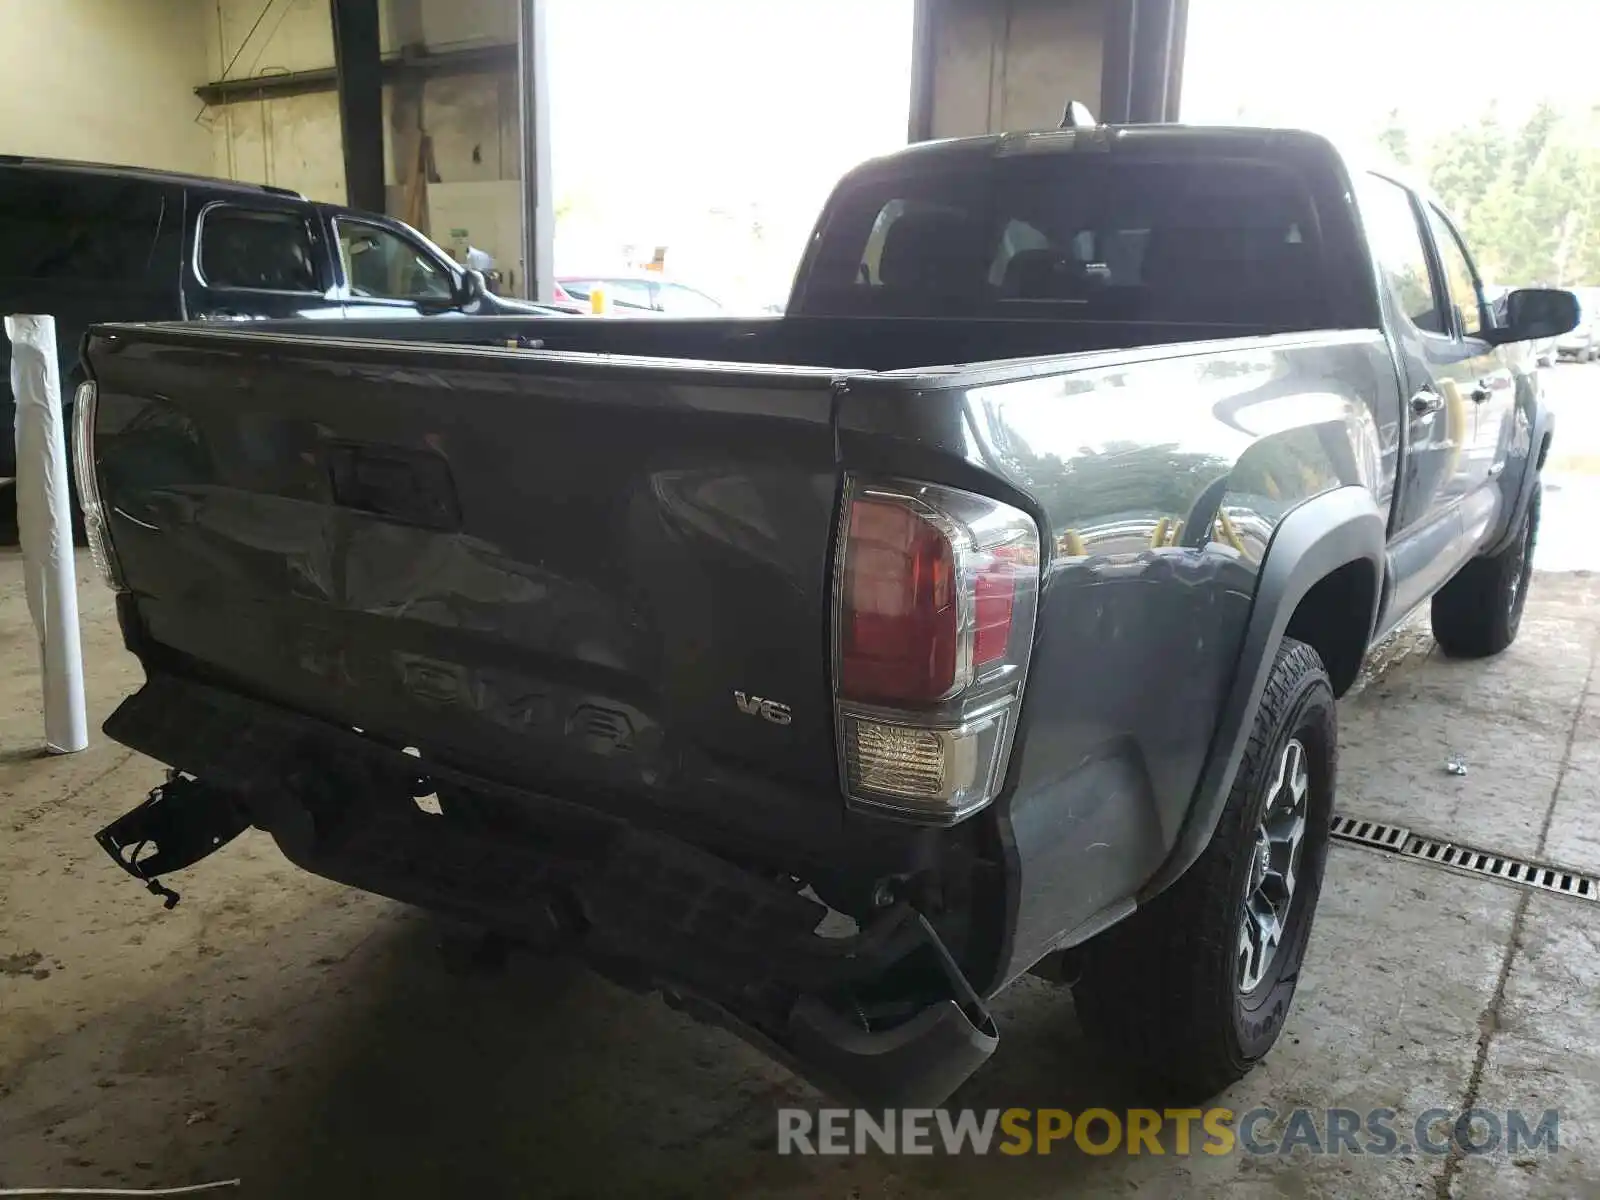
(295, 142)
(1013, 64)
(106, 80)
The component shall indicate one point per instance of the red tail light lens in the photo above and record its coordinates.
(995, 596)
(900, 615)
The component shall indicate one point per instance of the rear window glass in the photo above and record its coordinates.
(1222, 241)
(257, 249)
(79, 227)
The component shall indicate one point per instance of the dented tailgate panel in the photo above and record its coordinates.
(566, 571)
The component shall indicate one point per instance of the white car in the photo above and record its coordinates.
(1582, 344)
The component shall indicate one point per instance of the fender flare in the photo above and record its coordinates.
(1544, 424)
(1315, 539)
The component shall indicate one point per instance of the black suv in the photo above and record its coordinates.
(88, 243)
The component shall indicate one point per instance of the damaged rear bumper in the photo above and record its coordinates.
(648, 909)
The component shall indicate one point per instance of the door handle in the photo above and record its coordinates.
(1425, 402)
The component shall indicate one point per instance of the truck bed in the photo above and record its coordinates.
(833, 343)
(560, 559)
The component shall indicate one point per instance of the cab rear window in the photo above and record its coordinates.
(1224, 241)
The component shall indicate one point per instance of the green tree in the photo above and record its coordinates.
(1523, 196)
(1528, 145)
(1394, 139)
(1465, 164)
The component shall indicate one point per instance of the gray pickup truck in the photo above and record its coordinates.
(985, 614)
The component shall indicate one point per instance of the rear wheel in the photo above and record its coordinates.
(1196, 986)
(1479, 612)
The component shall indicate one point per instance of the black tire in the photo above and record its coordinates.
(1164, 987)
(1479, 612)
(80, 535)
(8, 514)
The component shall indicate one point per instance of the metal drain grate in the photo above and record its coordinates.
(1371, 833)
(1397, 839)
(1516, 870)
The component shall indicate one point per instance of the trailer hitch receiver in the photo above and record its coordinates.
(176, 825)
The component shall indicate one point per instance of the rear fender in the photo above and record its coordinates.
(1313, 541)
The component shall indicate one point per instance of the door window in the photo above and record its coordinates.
(1397, 244)
(381, 265)
(257, 249)
(79, 227)
(1460, 278)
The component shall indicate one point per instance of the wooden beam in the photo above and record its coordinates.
(472, 60)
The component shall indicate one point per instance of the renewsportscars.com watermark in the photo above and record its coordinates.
(1176, 1131)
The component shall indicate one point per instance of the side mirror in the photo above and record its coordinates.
(1533, 314)
(471, 287)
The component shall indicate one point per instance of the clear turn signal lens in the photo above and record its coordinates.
(84, 404)
(938, 773)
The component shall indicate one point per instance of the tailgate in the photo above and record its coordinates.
(566, 570)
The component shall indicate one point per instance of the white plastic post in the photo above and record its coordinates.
(44, 523)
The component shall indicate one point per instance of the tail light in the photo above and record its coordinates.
(936, 593)
(84, 405)
(560, 294)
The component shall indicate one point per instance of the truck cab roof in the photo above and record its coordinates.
(1123, 139)
(151, 174)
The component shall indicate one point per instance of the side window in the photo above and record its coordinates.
(382, 265)
(257, 249)
(872, 254)
(1458, 273)
(79, 227)
(1396, 241)
(920, 244)
(1018, 238)
(677, 300)
(629, 293)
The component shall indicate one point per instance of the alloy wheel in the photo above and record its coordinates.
(1274, 866)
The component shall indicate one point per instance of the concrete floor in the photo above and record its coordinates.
(315, 1042)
